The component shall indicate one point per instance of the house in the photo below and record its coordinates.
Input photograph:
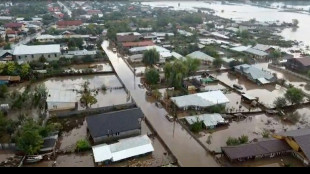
(255, 74)
(129, 37)
(185, 33)
(46, 38)
(210, 121)
(177, 55)
(299, 141)
(24, 53)
(14, 26)
(137, 44)
(6, 55)
(163, 52)
(9, 79)
(58, 100)
(257, 54)
(115, 125)
(200, 100)
(206, 59)
(95, 12)
(298, 64)
(69, 25)
(136, 58)
(264, 48)
(124, 149)
(266, 148)
(80, 54)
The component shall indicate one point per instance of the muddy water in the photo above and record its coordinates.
(75, 160)
(304, 115)
(235, 104)
(97, 67)
(267, 94)
(184, 147)
(252, 127)
(4, 155)
(68, 140)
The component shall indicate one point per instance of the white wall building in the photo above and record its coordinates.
(24, 53)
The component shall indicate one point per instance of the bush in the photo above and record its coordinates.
(197, 126)
(280, 102)
(217, 109)
(243, 139)
(82, 145)
(265, 133)
(232, 141)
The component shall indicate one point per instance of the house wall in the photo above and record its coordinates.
(122, 135)
(46, 40)
(36, 57)
(58, 106)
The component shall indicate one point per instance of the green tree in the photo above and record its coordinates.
(150, 57)
(211, 51)
(3, 91)
(7, 46)
(82, 145)
(88, 97)
(29, 139)
(11, 68)
(197, 126)
(280, 102)
(25, 70)
(152, 76)
(192, 65)
(2, 67)
(276, 54)
(218, 62)
(294, 95)
(308, 71)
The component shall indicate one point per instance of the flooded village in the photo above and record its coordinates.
(154, 84)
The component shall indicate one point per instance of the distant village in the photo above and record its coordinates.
(126, 84)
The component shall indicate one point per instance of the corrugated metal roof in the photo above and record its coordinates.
(201, 56)
(36, 49)
(209, 120)
(124, 149)
(256, 52)
(205, 99)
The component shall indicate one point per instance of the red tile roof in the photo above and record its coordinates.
(13, 25)
(138, 44)
(69, 23)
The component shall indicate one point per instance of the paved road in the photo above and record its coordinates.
(188, 152)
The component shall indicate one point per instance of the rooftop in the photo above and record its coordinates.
(121, 121)
(254, 72)
(256, 52)
(201, 56)
(124, 149)
(205, 99)
(36, 49)
(209, 120)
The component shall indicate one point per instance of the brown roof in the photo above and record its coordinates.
(128, 38)
(69, 23)
(13, 25)
(10, 78)
(263, 147)
(138, 44)
(304, 61)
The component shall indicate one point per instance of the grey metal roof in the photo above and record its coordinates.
(201, 56)
(255, 149)
(121, 121)
(254, 72)
(2, 52)
(262, 47)
(256, 52)
(208, 119)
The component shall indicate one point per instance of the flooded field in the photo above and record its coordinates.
(267, 94)
(96, 67)
(251, 127)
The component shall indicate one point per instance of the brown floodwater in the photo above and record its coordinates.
(236, 105)
(95, 67)
(75, 160)
(188, 151)
(290, 79)
(251, 127)
(4, 155)
(68, 140)
(267, 94)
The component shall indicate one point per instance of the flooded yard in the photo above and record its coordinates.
(75, 160)
(266, 94)
(96, 67)
(290, 79)
(4, 155)
(236, 105)
(252, 127)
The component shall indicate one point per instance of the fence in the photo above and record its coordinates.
(289, 72)
(8, 147)
(94, 111)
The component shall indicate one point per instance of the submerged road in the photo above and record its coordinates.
(187, 150)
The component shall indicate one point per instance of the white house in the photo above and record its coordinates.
(46, 38)
(24, 53)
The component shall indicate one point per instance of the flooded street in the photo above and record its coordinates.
(95, 67)
(176, 138)
(267, 94)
